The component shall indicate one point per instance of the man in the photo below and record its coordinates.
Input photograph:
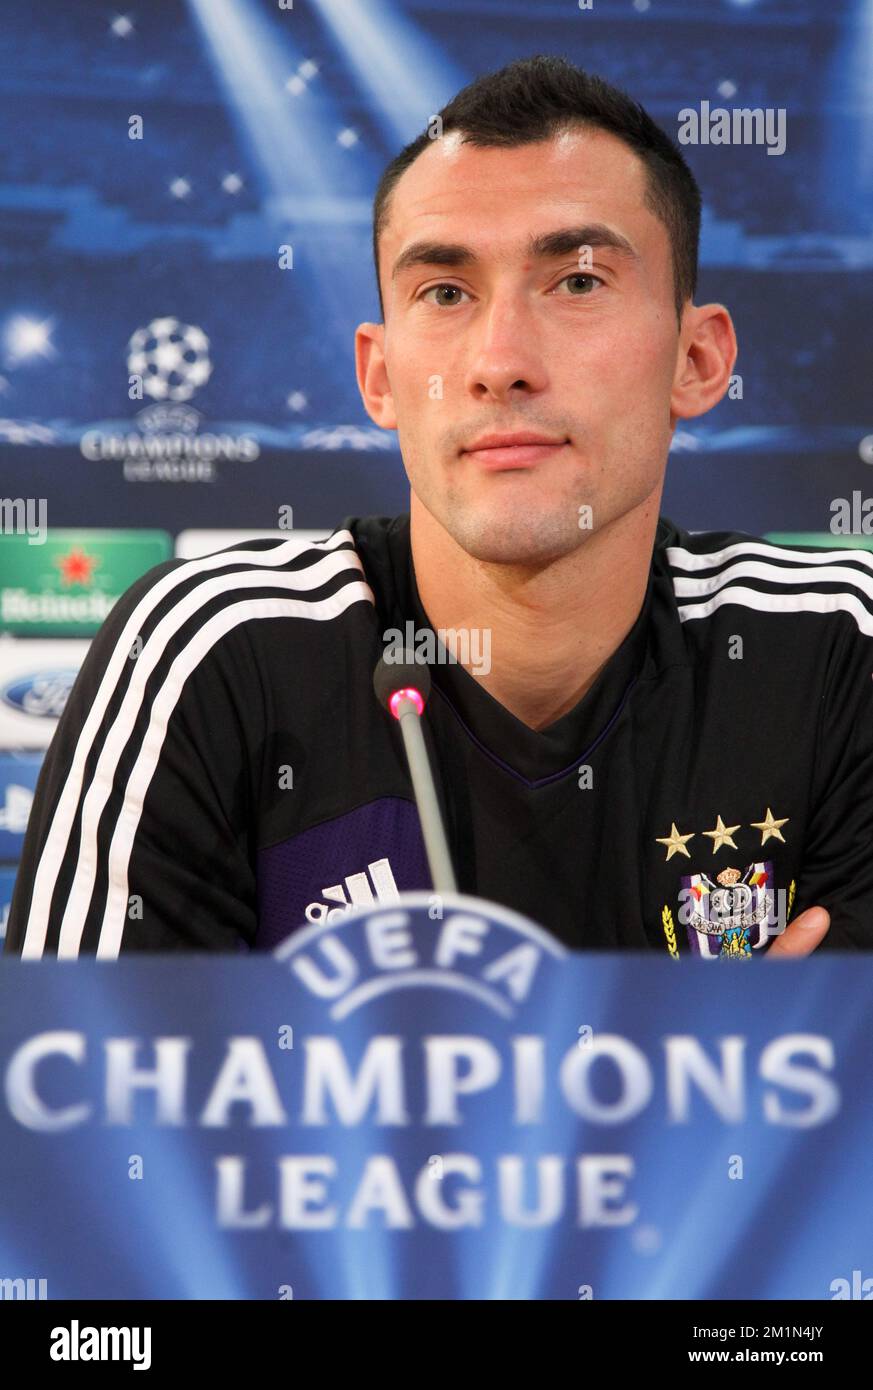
(652, 739)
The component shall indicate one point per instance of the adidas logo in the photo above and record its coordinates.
(360, 892)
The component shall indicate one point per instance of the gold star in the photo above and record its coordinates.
(770, 826)
(721, 835)
(675, 842)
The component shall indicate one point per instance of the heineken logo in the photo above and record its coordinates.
(68, 585)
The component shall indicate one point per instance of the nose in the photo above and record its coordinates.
(507, 353)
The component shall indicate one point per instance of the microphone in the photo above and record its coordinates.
(403, 688)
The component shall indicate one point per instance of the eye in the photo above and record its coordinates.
(455, 288)
(583, 275)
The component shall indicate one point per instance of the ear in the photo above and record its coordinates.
(705, 359)
(372, 375)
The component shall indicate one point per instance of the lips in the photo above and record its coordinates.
(512, 450)
(505, 441)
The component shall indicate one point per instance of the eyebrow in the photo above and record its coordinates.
(544, 247)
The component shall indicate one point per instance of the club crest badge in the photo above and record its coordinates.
(732, 914)
(728, 913)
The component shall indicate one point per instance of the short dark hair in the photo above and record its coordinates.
(534, 99)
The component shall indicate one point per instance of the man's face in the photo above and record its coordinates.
(576, 345)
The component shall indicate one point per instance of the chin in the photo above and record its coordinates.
(517, 539)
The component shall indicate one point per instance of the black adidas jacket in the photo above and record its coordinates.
(223, 773)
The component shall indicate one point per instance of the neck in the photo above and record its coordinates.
(552, 629)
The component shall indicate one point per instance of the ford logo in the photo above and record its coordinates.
(43, 694)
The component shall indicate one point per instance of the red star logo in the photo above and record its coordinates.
(76, 567)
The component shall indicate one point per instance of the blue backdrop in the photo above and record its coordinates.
(264, 126)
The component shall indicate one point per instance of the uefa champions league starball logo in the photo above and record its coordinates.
(171, 358)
